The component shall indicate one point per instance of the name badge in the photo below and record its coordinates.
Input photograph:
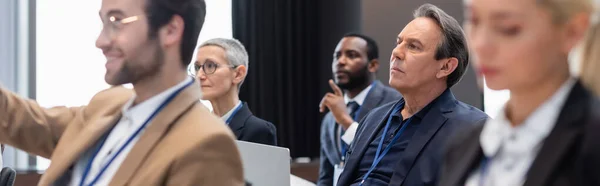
(337, 171)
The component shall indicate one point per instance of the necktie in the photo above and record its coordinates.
(352, 108)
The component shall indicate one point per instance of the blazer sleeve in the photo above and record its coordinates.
(452, 153)
(326, 171)
(214, 161)
(24, 124)
(591, 157)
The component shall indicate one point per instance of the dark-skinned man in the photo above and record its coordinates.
(355, 93)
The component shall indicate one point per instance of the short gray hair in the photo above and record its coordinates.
(454, 43)
(235, 52)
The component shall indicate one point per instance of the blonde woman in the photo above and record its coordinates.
(548, 133)
(590, 63)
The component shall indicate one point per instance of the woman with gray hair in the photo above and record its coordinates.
(221, 67)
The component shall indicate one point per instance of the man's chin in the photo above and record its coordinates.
(399, 86)
(344, 86)
(113, 80)
(110, 81)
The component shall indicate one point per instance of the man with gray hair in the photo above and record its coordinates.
(402, 143)
(221, 66)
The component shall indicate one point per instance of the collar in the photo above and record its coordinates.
(230, 112)
(531, 132)
(360, 98)
(421, 113)
(139, 113)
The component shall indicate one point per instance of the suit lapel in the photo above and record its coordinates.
(239, 120)
(361, 143)
(429, 126)
(65, 156)
(465, 159)
(332, 127)
(154, 132)
(373, 99)
(561, 138)
(432, 121)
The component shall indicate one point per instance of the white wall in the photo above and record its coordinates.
(70, 69)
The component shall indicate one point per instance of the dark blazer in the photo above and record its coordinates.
(420, 162)
(330, 153)
(570, 154)
(248, 127)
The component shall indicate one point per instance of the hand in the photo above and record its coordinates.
(335, 103)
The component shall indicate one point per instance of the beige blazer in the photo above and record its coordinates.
(184, 145)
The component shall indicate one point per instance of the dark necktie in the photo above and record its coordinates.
(352, 108)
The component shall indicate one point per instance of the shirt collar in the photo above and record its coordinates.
(140, 112)
(420, 114)
(360, 98)
(533, 130)
(230, 112)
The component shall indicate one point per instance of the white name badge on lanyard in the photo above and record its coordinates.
(337, 171)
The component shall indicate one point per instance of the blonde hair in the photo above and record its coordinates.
(590, 59)
(563, 10)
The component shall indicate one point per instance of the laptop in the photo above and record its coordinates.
(265, 165)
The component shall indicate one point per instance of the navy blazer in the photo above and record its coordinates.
(330, 153)
(570, 154)
(248, 127)
(420, 162)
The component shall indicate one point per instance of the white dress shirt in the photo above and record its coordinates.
(132, 118)
(230, 112)
(510, 151)
(359, 99)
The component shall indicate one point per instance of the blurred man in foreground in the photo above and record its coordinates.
(157, 134)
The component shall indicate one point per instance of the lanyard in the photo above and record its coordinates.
(137, 132)
(233, 113)
(379, 155)
(483, 170)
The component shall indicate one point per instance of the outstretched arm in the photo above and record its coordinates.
(24, 124)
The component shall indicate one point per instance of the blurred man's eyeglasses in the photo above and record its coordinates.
(114, 24)
(208, 68)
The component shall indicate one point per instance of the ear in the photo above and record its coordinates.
(373, 65)
(240, 74)
(574, 30)
(172, 32)
(447, 66)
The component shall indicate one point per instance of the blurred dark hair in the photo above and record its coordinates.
(372, 49)
(160, 12)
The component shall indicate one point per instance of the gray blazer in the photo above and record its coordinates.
(330, 154)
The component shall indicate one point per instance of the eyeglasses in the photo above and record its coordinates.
(115, 24)
(208, 67)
